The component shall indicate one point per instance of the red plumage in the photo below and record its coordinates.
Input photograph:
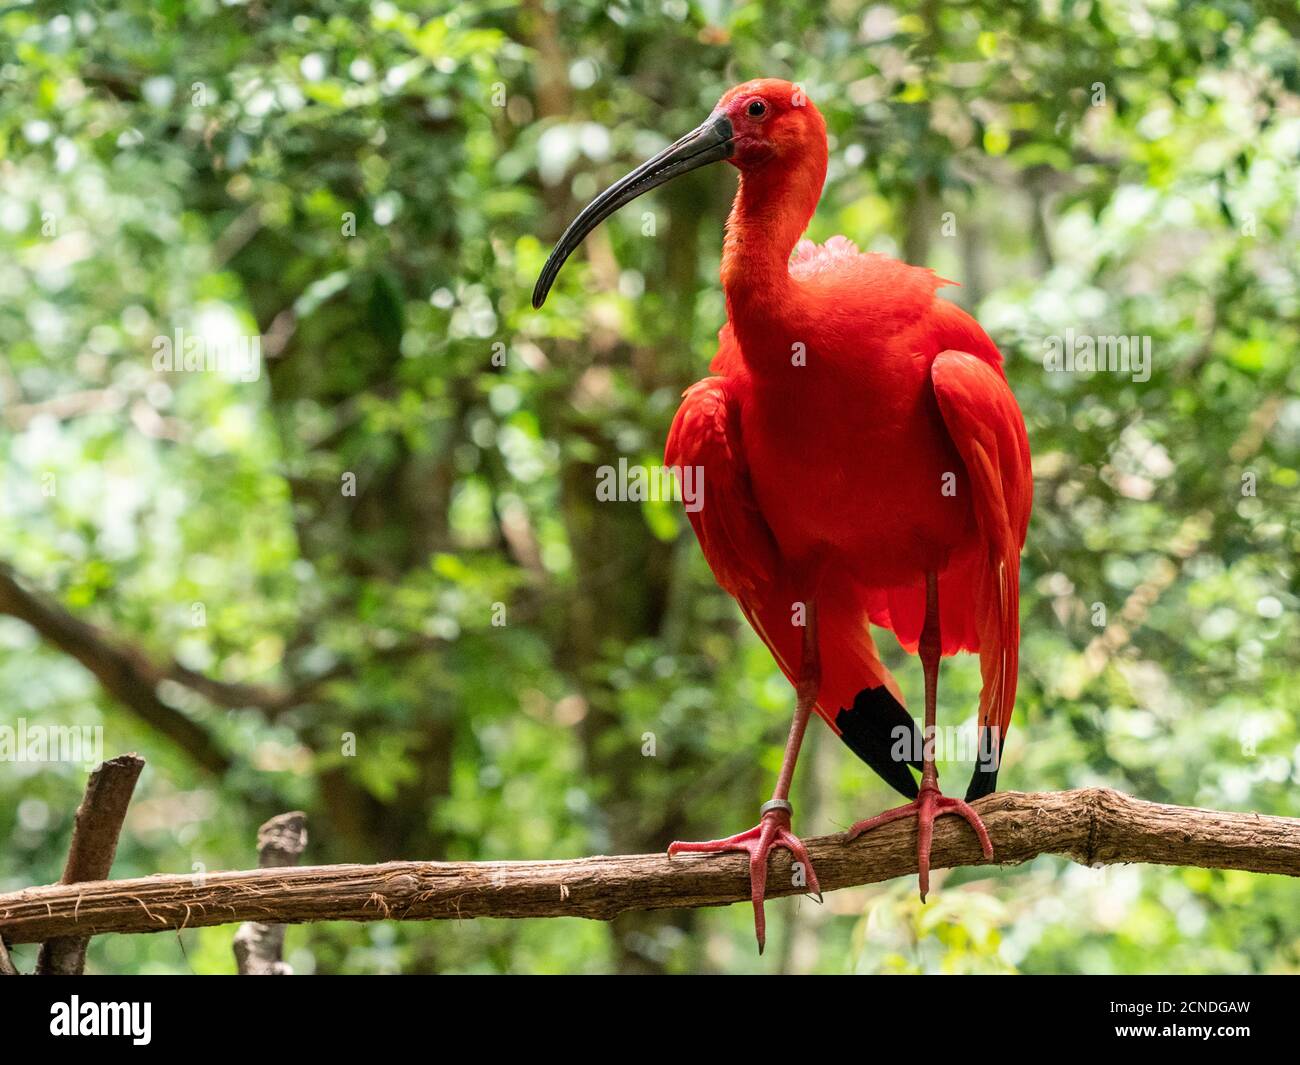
(864, 462)
(853, 447)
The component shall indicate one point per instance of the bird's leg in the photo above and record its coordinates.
(929, 803)
(773, 828)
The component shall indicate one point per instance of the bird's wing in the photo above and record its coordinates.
(735, 538)
(858, 698)
(988, 430)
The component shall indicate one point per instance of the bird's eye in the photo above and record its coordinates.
(756, 109)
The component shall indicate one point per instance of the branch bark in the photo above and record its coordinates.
(259, 947)
(90, 855)
(1093, 826)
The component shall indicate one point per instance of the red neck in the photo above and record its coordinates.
(773, 207)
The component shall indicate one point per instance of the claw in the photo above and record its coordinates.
(758, 842)
(926, 807)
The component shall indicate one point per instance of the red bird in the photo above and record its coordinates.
(863, 460)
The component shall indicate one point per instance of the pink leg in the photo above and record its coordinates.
(773, 828)
(930, 803)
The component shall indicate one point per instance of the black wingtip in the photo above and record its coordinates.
(880, 732)
(984, 781)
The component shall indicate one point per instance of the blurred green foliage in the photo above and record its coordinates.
(371, 189)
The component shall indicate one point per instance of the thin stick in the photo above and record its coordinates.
(90, 856)
(7, 967)
(259, 947)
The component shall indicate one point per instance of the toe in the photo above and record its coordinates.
(976, 822)
(796, 847)
(758, 892)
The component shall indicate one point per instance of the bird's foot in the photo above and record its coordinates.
(928, 805)
(772, 831)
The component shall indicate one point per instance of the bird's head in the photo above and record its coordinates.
(771, 121)
(756, 124)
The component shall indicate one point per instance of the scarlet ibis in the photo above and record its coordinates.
(863, 460)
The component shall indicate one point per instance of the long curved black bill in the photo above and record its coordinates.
(706, 144)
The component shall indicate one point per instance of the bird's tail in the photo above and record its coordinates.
(999, 624)
(979, 610)
(858, 698)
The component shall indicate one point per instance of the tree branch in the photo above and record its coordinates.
(129, 675)
(1091, 826)
(90, 855)
(124, 671)
(97, 651)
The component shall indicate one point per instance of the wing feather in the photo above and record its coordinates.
(986, 426)
(743, 554)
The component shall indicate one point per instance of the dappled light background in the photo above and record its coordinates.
(370, 190)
